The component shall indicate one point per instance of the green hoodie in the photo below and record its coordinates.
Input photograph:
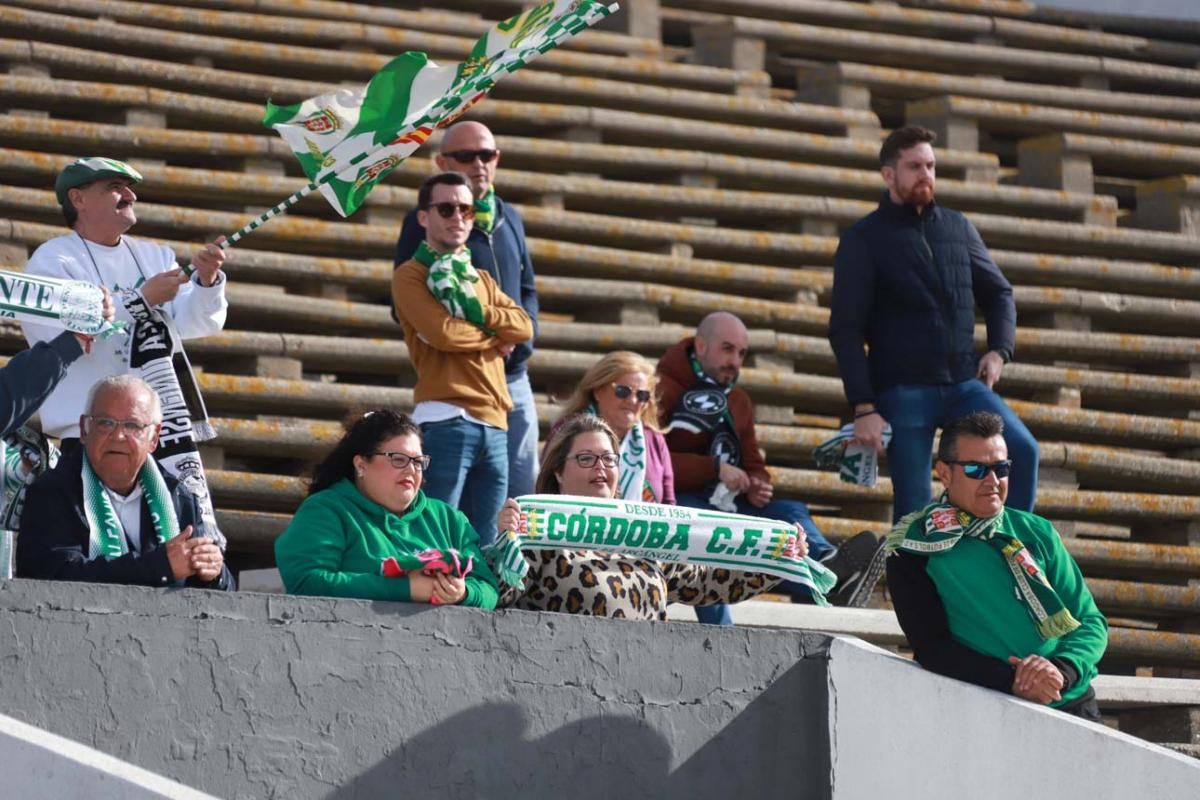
(977, 590)
(338, 540)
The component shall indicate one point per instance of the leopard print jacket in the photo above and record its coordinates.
(609, 585)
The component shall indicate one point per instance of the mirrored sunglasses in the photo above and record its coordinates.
(977, 470)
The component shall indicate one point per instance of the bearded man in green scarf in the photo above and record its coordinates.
(988, 594)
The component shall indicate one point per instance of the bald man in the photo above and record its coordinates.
(709, 426)
(497, 245)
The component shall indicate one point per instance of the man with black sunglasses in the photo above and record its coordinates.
(497, 245)
(459, 327)
(988, 594)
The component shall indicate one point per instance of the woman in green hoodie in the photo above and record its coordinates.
(366, 529)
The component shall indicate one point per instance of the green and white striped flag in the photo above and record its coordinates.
(347, 141)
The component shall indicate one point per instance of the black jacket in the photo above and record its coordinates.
(906, 285)
(501, 254)
(53, 542)
(31, 375)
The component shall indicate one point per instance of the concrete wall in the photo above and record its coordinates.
(900, 732)
(36, 764)
(259, 696)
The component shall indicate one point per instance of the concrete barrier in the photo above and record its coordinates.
(39, 764)
(268, 696)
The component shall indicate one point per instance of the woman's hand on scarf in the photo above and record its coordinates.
(421, 587)
(509, 518)
(800, 548)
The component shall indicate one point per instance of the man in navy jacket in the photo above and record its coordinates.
(907, 280)
(497, 245)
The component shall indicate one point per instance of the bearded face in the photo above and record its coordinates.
(911, 181)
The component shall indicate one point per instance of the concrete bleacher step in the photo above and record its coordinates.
(879, 626)
(424, 19)
(818, 42)
(145, 28)
(878, 87)
(510, 116)
(926, 22)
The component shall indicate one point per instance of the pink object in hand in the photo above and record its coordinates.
(391, 568)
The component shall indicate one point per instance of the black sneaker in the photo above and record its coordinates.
(858, 565)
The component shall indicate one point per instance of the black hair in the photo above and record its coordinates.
(425, 193)
(364, 433)
(902, 139)
(983, 424)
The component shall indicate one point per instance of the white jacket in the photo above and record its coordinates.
(197, 311)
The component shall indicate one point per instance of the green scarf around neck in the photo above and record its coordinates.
(940, 526)
(106, 537)
(485, 211)
(452, 280)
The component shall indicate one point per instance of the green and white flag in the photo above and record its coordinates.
(347, 141)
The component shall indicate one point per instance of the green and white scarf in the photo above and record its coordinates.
(631, 476)
(24, 455)
(106, 536)
(669, 534)
(942, 526)
(76, 306)
(451, 280)
(856, 463)
(485, 211)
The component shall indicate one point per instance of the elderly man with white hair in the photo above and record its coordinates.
(109, 513)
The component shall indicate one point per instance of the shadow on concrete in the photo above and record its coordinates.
(775, 747)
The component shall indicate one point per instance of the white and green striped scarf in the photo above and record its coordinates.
(106, 536)
(667, 534)
(451, 280)
(940, 526)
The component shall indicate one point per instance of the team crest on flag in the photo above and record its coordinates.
(324, 121)
(366, 133)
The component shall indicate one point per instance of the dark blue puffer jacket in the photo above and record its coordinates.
(906, 285)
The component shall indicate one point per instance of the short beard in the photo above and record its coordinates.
(919, 195)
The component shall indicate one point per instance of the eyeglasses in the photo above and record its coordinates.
(107, 426)
(977, 470)
(623, 392)
(588, 460)
(467, 156)
(404, 461)
(448, 210)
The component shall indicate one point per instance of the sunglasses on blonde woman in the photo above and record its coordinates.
(623, 392)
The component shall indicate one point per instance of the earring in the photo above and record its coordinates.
(359, 473)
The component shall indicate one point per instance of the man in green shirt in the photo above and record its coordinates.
(988, 594)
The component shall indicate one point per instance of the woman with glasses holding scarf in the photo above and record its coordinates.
(581, 459)
(366, 530)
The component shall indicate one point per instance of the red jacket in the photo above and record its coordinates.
(695, 469)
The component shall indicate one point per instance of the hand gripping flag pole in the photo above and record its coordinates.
(347, 141)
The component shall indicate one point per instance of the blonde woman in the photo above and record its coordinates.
(620, 389)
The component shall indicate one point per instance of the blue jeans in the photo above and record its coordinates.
(785, 510)
(468, 469)
(522, 437)
(917, 411)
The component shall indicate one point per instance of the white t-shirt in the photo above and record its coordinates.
(196, 310)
